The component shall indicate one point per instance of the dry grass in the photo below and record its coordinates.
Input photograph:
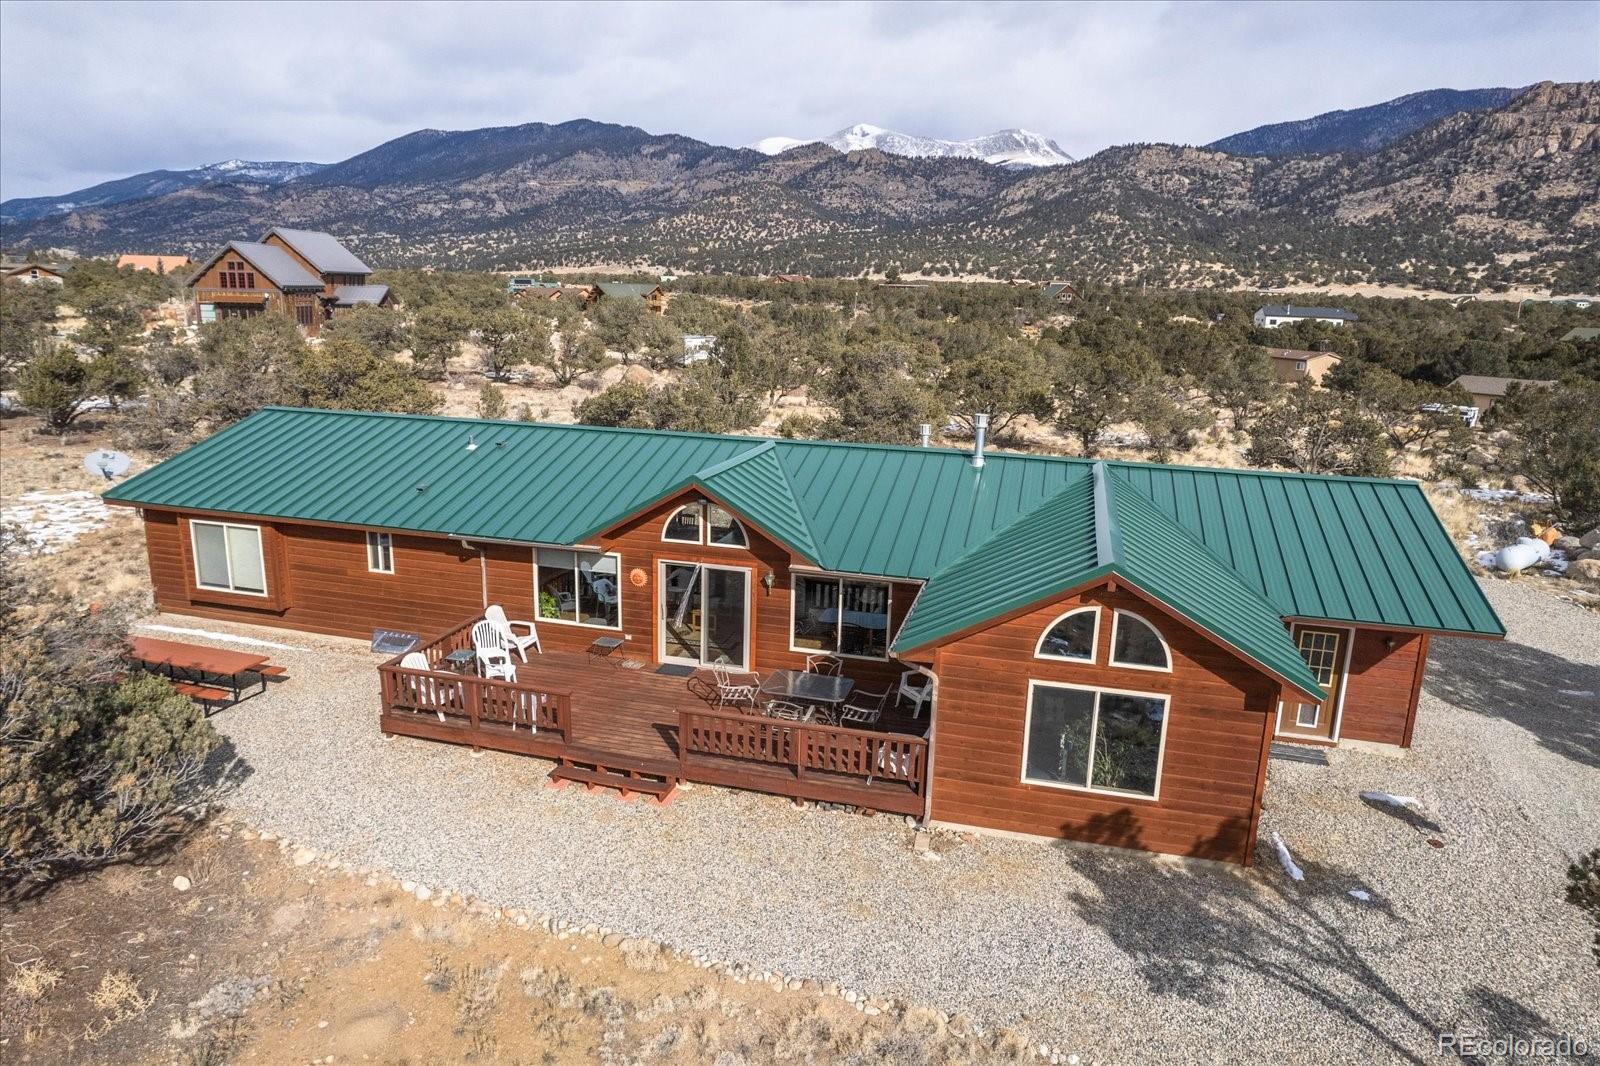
(32, 981)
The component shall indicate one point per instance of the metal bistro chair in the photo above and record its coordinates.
(823, 664)
(489, 646)
(745, 691)
(789, 712)
(864, 708)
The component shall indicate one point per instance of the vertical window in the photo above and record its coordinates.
(845, 616)
(1135, 643)
(1094, 739)
(228, 558)
(578, 587)
(380, 553)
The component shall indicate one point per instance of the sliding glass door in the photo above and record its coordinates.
(705, 614)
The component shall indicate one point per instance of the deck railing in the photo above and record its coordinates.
(804, 747)
(467, 698)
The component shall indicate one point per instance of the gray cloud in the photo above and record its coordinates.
(99, 90)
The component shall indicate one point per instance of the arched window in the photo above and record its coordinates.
(1072, 636)
(704, 523)
(1136, 644)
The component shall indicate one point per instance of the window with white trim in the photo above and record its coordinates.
(578, 588)
(843, 615)
(1136, 644)
(1099, 740)
(704, 523)
(228, 558)
(1072, 636)
(380, 553)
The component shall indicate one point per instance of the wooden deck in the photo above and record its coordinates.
(620, 719)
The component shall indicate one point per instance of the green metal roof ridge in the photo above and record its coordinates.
(1201, 588)
(1105, 519)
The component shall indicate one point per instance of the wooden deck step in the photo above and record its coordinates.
(203, 693)
(627, 782)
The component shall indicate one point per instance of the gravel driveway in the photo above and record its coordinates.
(1115, 956)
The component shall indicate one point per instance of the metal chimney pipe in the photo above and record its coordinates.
(926, 432)
(980, 430)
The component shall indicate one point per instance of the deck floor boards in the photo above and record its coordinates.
(627, 718)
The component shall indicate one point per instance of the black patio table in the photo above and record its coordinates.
(799, 687)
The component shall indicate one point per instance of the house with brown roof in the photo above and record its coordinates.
(306, 274)
(1293, 364)
(31, 273)
(156, 264)
(1486, 391)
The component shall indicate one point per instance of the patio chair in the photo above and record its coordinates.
(745, 690)
(863, 707)
(426, 690)
(823, 664)
(789, 712)
(489, 645)
(917, 693)
(497, 615)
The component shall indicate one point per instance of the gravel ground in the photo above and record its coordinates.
(1114, 956)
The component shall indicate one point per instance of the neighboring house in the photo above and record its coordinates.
(35, 273)
(654, 296)
(1274, 315)
(1581, 333)
(515, 285)
(1485, 391)
(1061, 292)
(791, 278)
(1292, 364)
(1108, 649)
(697, 347)
(156, 264)
(548, 293)
(306, 274)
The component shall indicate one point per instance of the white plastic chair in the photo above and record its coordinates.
(489, 645)
(426, 689)
(917, 694)
(496, 614)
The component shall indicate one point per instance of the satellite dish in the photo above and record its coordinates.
(107, 463)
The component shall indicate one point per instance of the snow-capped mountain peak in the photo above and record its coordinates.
(1006, 148)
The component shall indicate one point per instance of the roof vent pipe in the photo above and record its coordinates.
(980, 430)
(926, 432)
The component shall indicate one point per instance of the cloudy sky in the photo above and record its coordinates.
(94, 91)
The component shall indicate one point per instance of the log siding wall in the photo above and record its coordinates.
(1218, 726)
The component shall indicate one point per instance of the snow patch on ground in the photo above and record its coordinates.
(210, 634)
(1506, 496)
(52, 520)
(1289, 865)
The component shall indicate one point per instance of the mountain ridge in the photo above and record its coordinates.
(155, 183)
(1011, 147)
(1362, 129)
(1477, 199)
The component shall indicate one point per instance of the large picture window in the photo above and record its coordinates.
(579, 588)
(227, 558)
(843, 615)
(1095, 739)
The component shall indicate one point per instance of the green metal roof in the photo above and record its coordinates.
(753, 484)
(1095, 528)
(1339, 549)
(626, 288)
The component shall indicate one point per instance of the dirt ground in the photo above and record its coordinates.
(259, 956)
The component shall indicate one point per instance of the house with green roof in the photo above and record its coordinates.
(1048, 646)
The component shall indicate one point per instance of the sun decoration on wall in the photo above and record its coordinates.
(636, 577)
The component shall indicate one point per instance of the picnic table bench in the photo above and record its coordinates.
(200, 672)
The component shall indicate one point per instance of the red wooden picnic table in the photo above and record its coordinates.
(197, 663)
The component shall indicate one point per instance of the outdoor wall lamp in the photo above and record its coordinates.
(768, 579)
(1390, 642)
